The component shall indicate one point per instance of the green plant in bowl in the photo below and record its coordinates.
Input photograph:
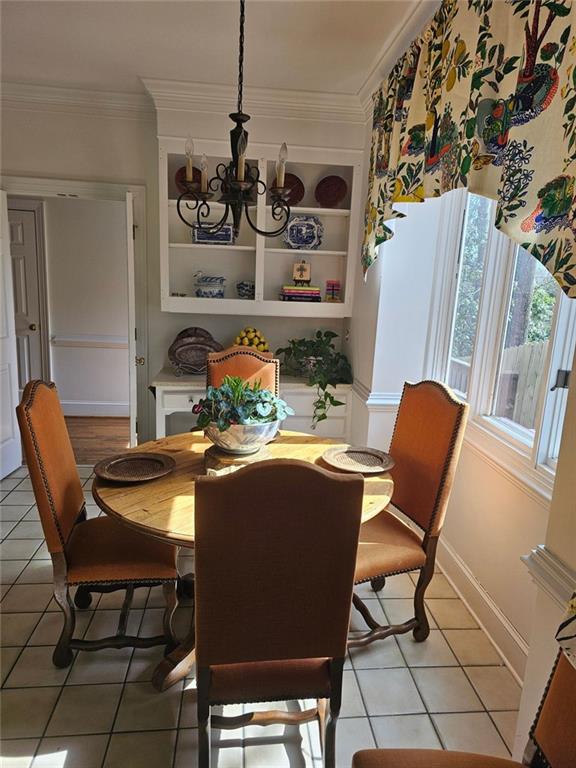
(322, 366)
(240, 417)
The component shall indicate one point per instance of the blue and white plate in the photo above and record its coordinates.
(304, 232)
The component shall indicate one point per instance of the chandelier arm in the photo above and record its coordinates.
(211, 228)
(193, 207)
(272, 233)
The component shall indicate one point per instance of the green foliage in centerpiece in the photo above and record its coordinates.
(237, 401)
(319, 362)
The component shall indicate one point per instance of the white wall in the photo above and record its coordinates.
(87, 301)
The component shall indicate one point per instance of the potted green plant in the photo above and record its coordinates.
(240, 417)
(322, 366)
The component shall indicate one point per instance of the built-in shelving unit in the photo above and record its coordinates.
(268, 262)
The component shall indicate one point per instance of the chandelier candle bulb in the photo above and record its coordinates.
(241, 148)
(281, 165)
(204, 174)
(189, 151)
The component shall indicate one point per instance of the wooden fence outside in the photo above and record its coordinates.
(521, 374)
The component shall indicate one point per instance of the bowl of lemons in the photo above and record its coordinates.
(252, 338)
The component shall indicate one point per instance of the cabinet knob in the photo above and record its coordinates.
(139, 360)
(32, 327)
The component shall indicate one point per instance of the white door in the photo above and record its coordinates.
(10, 446)
(24, 251)
(133, 359)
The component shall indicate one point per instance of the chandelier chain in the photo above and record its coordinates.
(241, 57)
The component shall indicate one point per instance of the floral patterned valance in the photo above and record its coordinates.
(485, 99)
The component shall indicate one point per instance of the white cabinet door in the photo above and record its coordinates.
(10, 446)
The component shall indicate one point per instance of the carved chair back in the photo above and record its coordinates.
(426, 445)
(51, 463)
(275, 551)
(248, 364)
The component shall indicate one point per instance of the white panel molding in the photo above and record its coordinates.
(77, 101)
(376, 401)
(95, 408)
(551, 574)
(97, 342)
(504, 636)
(181, 96)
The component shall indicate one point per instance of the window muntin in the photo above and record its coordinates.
(522, 365)
(472, 257)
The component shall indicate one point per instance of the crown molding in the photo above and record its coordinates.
(260, 102)
(403, 34)
(48, 98)
(551, 573)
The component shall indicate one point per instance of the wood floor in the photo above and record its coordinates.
(94, 438)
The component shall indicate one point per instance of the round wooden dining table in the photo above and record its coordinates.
(164, 508)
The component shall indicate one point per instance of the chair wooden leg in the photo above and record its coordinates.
(378, 583)
(422, 629)
(203, 705)
(63, 656)
(336, 669)
(170, 591)
(83, 597)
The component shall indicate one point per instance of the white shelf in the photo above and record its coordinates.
(317, 211)
(271, 308)
(220, 246)
(298, 252)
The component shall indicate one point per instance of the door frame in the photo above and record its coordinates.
(36, 205)
(95, 190)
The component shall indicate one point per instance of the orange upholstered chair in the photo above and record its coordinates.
(552, 741)
(277, 630)
(425, 445)
(248, 364)
(97, 555)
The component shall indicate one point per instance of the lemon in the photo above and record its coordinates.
(250, 334)
(261, 347)
(237, 341)
(245, 341)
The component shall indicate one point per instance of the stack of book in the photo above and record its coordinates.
(300, 293)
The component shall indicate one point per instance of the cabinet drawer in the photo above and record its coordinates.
(179, 401)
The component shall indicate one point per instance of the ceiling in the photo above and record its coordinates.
(331, 46)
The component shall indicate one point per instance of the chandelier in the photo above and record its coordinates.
(237, 183)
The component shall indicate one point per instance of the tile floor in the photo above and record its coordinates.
(452, 691)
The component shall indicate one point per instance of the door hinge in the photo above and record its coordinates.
(562, 380)
(135, 334)
(134, 228)
(139, 360)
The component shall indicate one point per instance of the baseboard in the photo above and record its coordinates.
(90, 408)
(507, 640)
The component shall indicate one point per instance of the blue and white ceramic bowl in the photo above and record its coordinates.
(245, 289)
(209, 286)
(304, 232)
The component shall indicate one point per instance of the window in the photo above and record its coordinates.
(471, 269)
(524, 354)
(510, 330)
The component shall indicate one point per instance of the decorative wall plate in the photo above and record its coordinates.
(304, 232)
(352, 458)
(224, 236)
(189, 350)
(330, 191)
(180, 176)
(296, 187)
(134, 467)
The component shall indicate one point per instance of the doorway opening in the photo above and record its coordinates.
(71, 305)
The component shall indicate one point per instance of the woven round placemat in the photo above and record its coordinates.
(134, 467)
(351, 458)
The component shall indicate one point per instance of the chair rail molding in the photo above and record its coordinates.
(551, 574)
(175, 95)
(48, 98)
(376, 401)
(85, 340)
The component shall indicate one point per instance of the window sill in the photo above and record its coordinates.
(510, 457)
